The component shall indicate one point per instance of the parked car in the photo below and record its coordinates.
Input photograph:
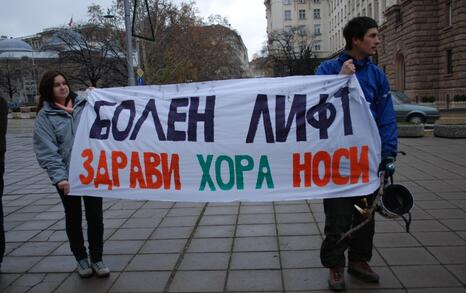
(411, 112)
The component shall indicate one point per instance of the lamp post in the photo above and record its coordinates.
(129, 45)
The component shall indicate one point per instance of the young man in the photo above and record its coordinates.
(362, 39)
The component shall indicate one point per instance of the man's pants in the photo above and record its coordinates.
(340, 216)
(95, 226)
(2, 229)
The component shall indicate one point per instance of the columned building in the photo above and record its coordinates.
(423, 49)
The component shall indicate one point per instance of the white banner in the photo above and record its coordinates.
(261, 139)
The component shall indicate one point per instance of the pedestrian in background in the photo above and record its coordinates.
(362, 38)
(59, 111)
(3, 126)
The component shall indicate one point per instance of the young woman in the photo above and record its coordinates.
(59, 111)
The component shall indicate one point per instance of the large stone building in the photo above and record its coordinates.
(423, 48)
(20, 68)
(341, 11)
(322, 19)
(310, 16)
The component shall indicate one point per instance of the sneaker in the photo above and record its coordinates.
(84, 269)
(336, 279)
(363, 271)
(100, 269)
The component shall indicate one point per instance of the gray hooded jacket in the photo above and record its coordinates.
(53, 138)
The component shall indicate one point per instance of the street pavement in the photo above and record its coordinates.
(155, 246)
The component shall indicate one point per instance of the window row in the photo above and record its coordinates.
(303, 29)
(302, 14)
(288, 2)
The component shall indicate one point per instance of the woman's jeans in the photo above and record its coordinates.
(95, 226)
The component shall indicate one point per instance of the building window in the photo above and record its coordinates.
(369, 10)
(317, 47)
(450, 13)
(287, 14)
(302, 14)
(376, 10)
(316, 1)
(317, 29)
(449, 61)
(364, 12)
(316, 13)
(287, 28)
(302, 30)
(286, 2)
(302, 1)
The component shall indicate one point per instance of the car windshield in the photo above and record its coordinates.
(401, 97)
(395, 100)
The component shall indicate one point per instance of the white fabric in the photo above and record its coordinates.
(235, 101)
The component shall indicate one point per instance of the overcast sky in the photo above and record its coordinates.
(20, 18)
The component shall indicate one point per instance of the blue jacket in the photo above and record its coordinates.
(376, 89)
(53, 138)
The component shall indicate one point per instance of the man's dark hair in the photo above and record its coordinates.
(357, 28)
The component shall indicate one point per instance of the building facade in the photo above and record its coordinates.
(322, 19)
(310, 16)
(423, 49)
(20, 68)
(24, 60)
(341, 11)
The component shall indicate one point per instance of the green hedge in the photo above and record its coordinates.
(428, 99)
(459, 98)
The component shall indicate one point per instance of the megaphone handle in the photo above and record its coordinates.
(370, 211)
(407, 222)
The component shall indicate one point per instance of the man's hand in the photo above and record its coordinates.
(387, 165)
(348, 67)
(64, 186)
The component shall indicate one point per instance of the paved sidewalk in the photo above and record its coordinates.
(237, 247)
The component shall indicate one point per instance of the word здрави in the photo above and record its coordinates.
(155, 172)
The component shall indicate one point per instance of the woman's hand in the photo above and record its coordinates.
(64, 186)
(348, 67)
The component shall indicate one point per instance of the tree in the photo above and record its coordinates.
(9, 76)
(291, 52)
(186, 48)
(89, 55)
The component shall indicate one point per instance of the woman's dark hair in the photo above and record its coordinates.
(357, 28)
(46, 87)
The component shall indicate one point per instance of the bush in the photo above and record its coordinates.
(459, 98)
(428, 99)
